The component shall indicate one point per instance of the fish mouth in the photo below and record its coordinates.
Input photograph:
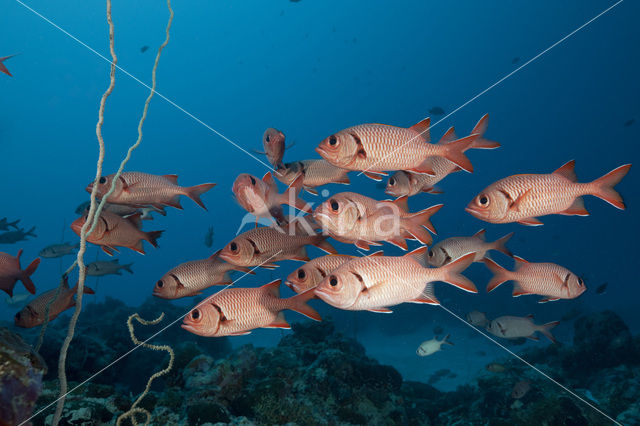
(89, 188)
(290, 285)
(323, 153)
(473, 210)
(190, 328)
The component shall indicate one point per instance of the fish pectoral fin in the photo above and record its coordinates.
(381, 310)
(311, 191)
(517, 203)
(548, 299)
(362, 245)
(108, 250)
(530, 221)
(239, 333)
(269, 266)
(576, 209)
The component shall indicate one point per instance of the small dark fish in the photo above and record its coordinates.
(4, 224)
(436, 110)
(437, 330)
(144, 49)
(515, 60)
(11, 237)
(82, 208)
(629, 122)
(520, 389)
(495, 367)
(481, 353)
(58, 250)
(602, 288)
(208, 237)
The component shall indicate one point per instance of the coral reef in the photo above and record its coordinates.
(317, 376)
(21, 371)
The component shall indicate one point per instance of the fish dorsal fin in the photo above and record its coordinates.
(171, 178)
(271, 183)
(376, 254)
(65, 282)
(481, 234)
(273, 288)
(449, 136)
(568, 171)
(417, 252)
(215, 255)
(136, 220)
(402, 203)
(422, 128)
(520, 262)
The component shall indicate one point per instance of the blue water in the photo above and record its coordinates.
(310, 69)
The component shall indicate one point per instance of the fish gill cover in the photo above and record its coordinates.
(426, 308)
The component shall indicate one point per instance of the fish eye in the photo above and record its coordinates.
(430, 253)
(159, 284)
(392, 181)
(268, 138)
(333, 281)
(102, 179)
(580, 281)
(253, 180)
(233, 247)
(195, 314)
(334, 205)
(483, 200)
(17, 316)
(333, 141)
(301, 274)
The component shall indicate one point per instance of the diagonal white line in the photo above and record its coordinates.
(121, 357)
(566, 389)
(172, 103)
(572, 33)
(533, 367)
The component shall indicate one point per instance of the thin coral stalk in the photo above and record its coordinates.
(134, 407)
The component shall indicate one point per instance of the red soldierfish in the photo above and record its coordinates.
(453, 248)
(544, 279)
(261, 197)
(143, 189)
(313, 272)
(190, 278)
(33, 314)
(375, 282)
(273, 144)
(520, 198)
(237, 311)
(407, 183)
(314, 173)
(363, 221)
(510, 327)
(113, 230)
(3, 68)
(264, 246)
(376, 148)
(11, 272)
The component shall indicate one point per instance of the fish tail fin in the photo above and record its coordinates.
(603, 187)
(290, 196)
(14, 224)
(31, 232)
(26, 276)
(454, 152)
(194, 192)
(500, 274)
(500, 244)
(451, 273)
(324, 245)
(299, 304)
(127, 267)
(479, 129)
(416, 223)
(153, 236)
(544, 329)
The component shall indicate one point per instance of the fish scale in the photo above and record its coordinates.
(419, 182)
(542, 279)
(148, 187)
(315, 173)
(194, 276)
(315, 271)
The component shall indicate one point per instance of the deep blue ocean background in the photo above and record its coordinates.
(310, 69)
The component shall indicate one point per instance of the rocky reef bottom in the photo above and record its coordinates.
(317, 376)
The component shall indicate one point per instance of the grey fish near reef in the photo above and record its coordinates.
(11, 237)
(58, 250)
(144, 49)
(100, 268)
(436, 110)
(16, 300)
(4, 224)
(628, 123)
(510, 327)
(208, 237)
